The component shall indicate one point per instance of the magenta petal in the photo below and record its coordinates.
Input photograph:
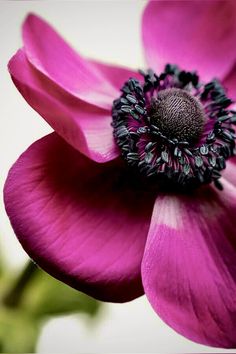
(230, 83)
(84, 126)
(189, 265)
(52, 56)
(196, 35)
(79, 220)
(230, 172)
(117, 76)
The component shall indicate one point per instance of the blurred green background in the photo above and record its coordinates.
(29, 299)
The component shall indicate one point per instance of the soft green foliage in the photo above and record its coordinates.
(18, 331)
(47, 296)
(28, 300)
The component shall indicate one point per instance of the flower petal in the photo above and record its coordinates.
(189, 265)
(84, 126)
(117, 76)
(230, 83)
(230, 171)
(78, 220)
(173, 33)
(52, 56)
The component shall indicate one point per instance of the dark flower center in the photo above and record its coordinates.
(174, 129)
(178, 114)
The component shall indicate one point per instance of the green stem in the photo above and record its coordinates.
(14, 296)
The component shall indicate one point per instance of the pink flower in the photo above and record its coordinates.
(151, 222)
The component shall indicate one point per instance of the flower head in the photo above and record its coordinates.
(125, 197)
(174, 129)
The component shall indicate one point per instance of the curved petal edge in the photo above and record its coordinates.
(79, 220)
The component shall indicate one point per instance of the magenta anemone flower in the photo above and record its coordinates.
(135, 191)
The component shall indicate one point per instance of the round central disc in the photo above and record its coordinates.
(178, 115)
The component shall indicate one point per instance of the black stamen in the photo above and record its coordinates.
(173, 128)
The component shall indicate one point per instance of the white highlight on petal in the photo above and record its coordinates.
(170, 213)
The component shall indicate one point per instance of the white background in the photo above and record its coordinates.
(109, 31)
